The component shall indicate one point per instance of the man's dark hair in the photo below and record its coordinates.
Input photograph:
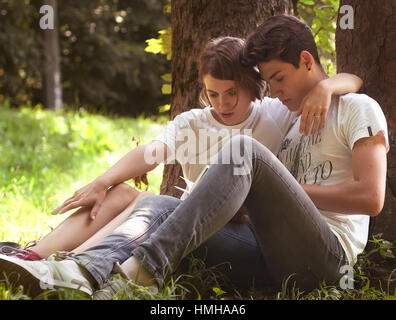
(280, 37)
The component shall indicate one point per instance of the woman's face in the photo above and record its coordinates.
(231, 104)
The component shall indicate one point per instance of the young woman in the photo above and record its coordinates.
(235, 106)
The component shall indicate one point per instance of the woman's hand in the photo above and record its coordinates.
(314, 108)
(92, 196)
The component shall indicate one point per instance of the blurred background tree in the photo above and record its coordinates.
(103, 63)
(104, 45)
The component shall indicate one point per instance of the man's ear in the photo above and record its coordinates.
(306, 60)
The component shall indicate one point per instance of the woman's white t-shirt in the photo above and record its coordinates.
(195, 136)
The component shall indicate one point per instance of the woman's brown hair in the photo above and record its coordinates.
(221, 58)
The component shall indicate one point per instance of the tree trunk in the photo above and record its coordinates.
(53, 88)
(194, 22)
(369, 51)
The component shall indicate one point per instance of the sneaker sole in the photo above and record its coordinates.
(33, 284)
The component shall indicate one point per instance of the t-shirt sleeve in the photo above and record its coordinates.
(361, 117)
(168, 137)
(177, 131)
(281, 115)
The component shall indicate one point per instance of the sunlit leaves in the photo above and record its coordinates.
(321, 16)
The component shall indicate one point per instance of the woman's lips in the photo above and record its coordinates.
(227, 115)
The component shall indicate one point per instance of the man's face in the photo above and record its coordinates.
(287, 83)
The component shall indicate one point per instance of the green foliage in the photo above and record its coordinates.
(104, 65)
(48, 155)
(321, 16)
(163, 45)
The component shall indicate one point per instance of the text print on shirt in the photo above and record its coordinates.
(298, 157)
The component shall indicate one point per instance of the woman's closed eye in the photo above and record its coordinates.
(231, 93)
(213, 94)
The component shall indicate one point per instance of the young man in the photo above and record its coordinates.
(309, 222)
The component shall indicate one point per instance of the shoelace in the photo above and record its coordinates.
(9, 250)
(60, 255)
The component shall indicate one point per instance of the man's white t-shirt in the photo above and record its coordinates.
(195, 136)
(326, 159)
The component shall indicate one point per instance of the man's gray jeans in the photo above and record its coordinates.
(287, 234)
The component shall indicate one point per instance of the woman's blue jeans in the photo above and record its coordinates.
(287, 234)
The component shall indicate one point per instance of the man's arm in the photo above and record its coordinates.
(365, 193)
(317, 101)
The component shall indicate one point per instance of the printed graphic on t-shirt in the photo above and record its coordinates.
(297, 156)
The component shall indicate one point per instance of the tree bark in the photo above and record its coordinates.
(53, 87)
(194, 22)
(369, 51)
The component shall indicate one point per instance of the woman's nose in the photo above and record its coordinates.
(223, 102)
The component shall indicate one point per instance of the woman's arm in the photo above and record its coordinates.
(365, 193)
(135, 163)
(317, 101)
(132, 165)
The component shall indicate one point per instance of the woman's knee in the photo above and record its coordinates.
(243, 146)
(124, 192)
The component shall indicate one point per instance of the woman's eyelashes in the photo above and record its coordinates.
(231, 93)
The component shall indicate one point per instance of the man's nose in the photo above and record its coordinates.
(275, 91)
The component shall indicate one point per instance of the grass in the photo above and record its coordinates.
(47, 155)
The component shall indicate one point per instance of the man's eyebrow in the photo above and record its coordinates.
(273, 75)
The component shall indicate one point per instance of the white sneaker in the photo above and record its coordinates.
(117, 282)
(38, 276)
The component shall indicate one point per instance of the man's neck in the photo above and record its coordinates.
(317, 76)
